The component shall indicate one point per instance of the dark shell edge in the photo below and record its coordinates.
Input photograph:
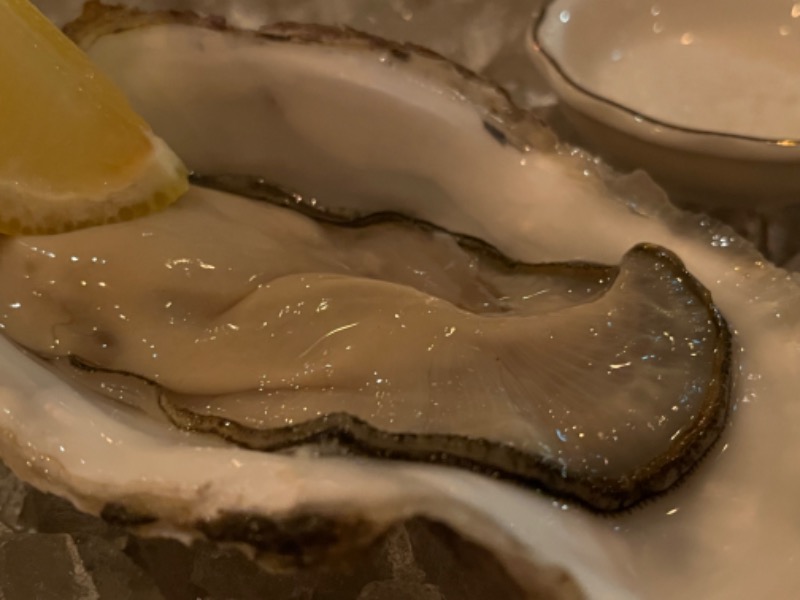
(305, 539)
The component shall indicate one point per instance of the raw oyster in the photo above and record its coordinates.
(158, 486)
(387, 335)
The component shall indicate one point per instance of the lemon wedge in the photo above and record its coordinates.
(73, 152)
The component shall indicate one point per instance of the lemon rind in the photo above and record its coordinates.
(161, 180)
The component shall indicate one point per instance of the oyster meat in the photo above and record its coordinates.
(361, 126)
(390, 336)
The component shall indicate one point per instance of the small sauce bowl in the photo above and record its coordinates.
(704, 95)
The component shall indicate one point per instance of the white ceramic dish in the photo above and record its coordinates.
(704, 95)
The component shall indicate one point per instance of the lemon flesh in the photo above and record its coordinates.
(73, 152)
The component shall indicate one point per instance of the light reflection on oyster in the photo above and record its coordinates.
(176, 484)
(390, 336)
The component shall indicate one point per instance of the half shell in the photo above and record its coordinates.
(113, 461)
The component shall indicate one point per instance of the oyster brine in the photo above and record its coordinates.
(603, 385)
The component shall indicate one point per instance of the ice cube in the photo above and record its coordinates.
(43, 566)
(12, 497)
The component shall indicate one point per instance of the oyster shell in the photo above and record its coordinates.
(67, 441)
